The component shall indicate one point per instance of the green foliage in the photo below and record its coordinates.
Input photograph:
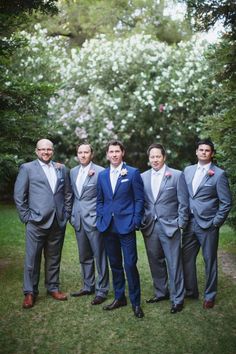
(82, 20)
(221, 125)
(22, 102)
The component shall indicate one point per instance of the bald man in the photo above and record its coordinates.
(43, 199)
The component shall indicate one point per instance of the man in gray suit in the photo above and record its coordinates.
(166, 213)
(210, 203)
(83, 218)
(43, 199)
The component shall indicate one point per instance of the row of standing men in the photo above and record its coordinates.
(177, 212)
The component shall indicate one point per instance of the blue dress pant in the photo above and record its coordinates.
(116, 245)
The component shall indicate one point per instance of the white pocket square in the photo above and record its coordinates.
(124, 180)
(170, 187)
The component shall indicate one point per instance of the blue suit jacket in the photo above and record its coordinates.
(125, 206)
(212, 201)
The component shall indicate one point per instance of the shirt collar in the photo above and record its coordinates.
(159, 172)
(118, 168)
(206, 167)
(86, 168)
(43, 164)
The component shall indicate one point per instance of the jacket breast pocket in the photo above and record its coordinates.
(124, 180)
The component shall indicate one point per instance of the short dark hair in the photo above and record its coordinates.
(115, 142)
(156, 146)
(206, 141)
(84, 143)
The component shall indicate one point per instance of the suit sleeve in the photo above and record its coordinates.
(183, 199)
(225, 200)
(21, 194)
(138, 192)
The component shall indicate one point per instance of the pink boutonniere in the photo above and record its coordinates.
(168, 174)
(91, 173)
(123, 172)
(211, 173)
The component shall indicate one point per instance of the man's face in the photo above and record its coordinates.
(44, 150)
(115, 155)
(84, 154)
(204, 154)
(156, 159)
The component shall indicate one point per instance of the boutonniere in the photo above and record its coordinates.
(91, 172)
(168, 174)
(123, 172)
(211, 173)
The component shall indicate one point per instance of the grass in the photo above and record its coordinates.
(77, 327)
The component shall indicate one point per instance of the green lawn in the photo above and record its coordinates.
(75, 326)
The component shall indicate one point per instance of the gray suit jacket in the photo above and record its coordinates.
(35, 200)
(171, 205)
(84, 205)
(212, 201)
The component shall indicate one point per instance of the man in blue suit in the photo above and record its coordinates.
(120, 200)
(166, 213)
(210, 203)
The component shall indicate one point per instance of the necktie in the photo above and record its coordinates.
(198, 177)
(155, 182)
(80, 180)
(114, 177)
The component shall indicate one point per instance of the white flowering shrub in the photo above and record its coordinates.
(137, 89)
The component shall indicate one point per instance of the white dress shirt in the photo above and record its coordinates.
(114, 174)
(200, 173)
(156, 178)
(50, 172)
(83, 173)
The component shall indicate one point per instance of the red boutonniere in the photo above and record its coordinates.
(91, 173)
(168, 174)
(211, 173)
(123, 172)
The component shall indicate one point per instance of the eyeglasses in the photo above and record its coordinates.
(45, 150)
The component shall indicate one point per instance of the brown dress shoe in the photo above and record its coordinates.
(208, 304)
(98, 300)
(58, 295)
(28, 301)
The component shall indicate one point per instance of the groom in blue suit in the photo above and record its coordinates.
(120, 207)
(210, 203)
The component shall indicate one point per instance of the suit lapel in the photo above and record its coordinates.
(87, 179)
(163, 183)
(118, 183)
(149, 185)
(58, 174)
(74, 176)
(190, 178)
(108, 181)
